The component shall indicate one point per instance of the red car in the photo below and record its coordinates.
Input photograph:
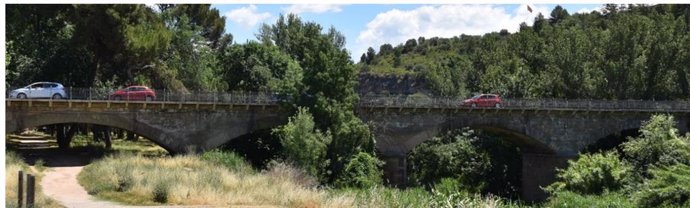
(134, 93)
(483, 100)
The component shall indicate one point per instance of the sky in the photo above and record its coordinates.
(371, 25)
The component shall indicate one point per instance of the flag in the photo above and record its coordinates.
(529, 9)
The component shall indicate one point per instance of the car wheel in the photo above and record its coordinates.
(21, 96)
(57, 96)
(474, 105)
(498, 105)
(118, 98)
(149, 98)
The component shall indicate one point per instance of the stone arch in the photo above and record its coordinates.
(611, 141)
(526, 143)
(151, 133)
(145, 134)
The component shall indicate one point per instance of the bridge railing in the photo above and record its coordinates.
(238, 97)
(403, 101)
(576, 104)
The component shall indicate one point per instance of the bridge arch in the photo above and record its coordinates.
(149, 132)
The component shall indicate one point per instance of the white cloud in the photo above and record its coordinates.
(587, 11)
(312, 8)
(247, 17)
(153, 6)
(397, 26)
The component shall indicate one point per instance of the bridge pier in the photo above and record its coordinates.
(539, 171)
(395, 170)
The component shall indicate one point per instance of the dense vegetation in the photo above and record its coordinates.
(631, 52)
(624, 52)
(653, 171)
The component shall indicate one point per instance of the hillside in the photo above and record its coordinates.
(624, 52)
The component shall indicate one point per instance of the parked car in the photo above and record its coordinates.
(40, 90)
(483, 100)
(134, 93)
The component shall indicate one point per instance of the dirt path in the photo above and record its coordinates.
(60, 183)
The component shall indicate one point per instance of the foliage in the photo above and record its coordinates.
(658, 145)
(79, 45)
(303, 144)
(230, 160)
(668, 187)
(480, 161)
(592, 174)
(577, 56)
(328, 81)
(451, 155)
(568, 199)
(189, 180)
(363, 171)
(257, 67)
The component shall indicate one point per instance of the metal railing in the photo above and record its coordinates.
(574, 104)
(399, 101)
(239, 97)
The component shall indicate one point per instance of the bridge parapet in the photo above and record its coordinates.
(530, 104)
(367, 101)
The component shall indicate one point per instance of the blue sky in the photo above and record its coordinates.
(375, 24)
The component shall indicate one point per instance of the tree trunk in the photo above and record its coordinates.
(131, 136)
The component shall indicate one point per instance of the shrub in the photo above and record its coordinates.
(568, 199)
(592, 174)
(362, 171)
(230, 160)
(160, 192)
(658, 145)
(451, 155)
(668, 187)
(303, 144)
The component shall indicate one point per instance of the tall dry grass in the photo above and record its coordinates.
(212, 180)
(13, 164)
(188, 180)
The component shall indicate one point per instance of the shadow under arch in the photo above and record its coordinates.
(257, 147)
(147, 132)
(526, 143)
(611, 141)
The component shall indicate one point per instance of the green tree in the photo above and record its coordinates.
(592, 174)
(303, 144)
(658, 145)
(362, 171)
(329, 79)
(668, 187)
(451, 155)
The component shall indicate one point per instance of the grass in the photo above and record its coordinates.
(142, 147)
(190, 180)
(567, 199)
(14, 163)
(224, 179)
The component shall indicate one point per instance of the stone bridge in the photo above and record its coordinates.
(547, 132)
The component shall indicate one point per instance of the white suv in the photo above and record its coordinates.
(40, 90)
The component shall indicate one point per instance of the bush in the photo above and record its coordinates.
(592, 174)
(303, 144)
(449, 156)
(568, 199)
(658, 145)
(668, 187)
(363, 171)
(230, 160)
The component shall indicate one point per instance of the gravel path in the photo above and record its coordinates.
(60, 183)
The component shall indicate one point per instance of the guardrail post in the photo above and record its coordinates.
(20, 189)
(30, 190)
